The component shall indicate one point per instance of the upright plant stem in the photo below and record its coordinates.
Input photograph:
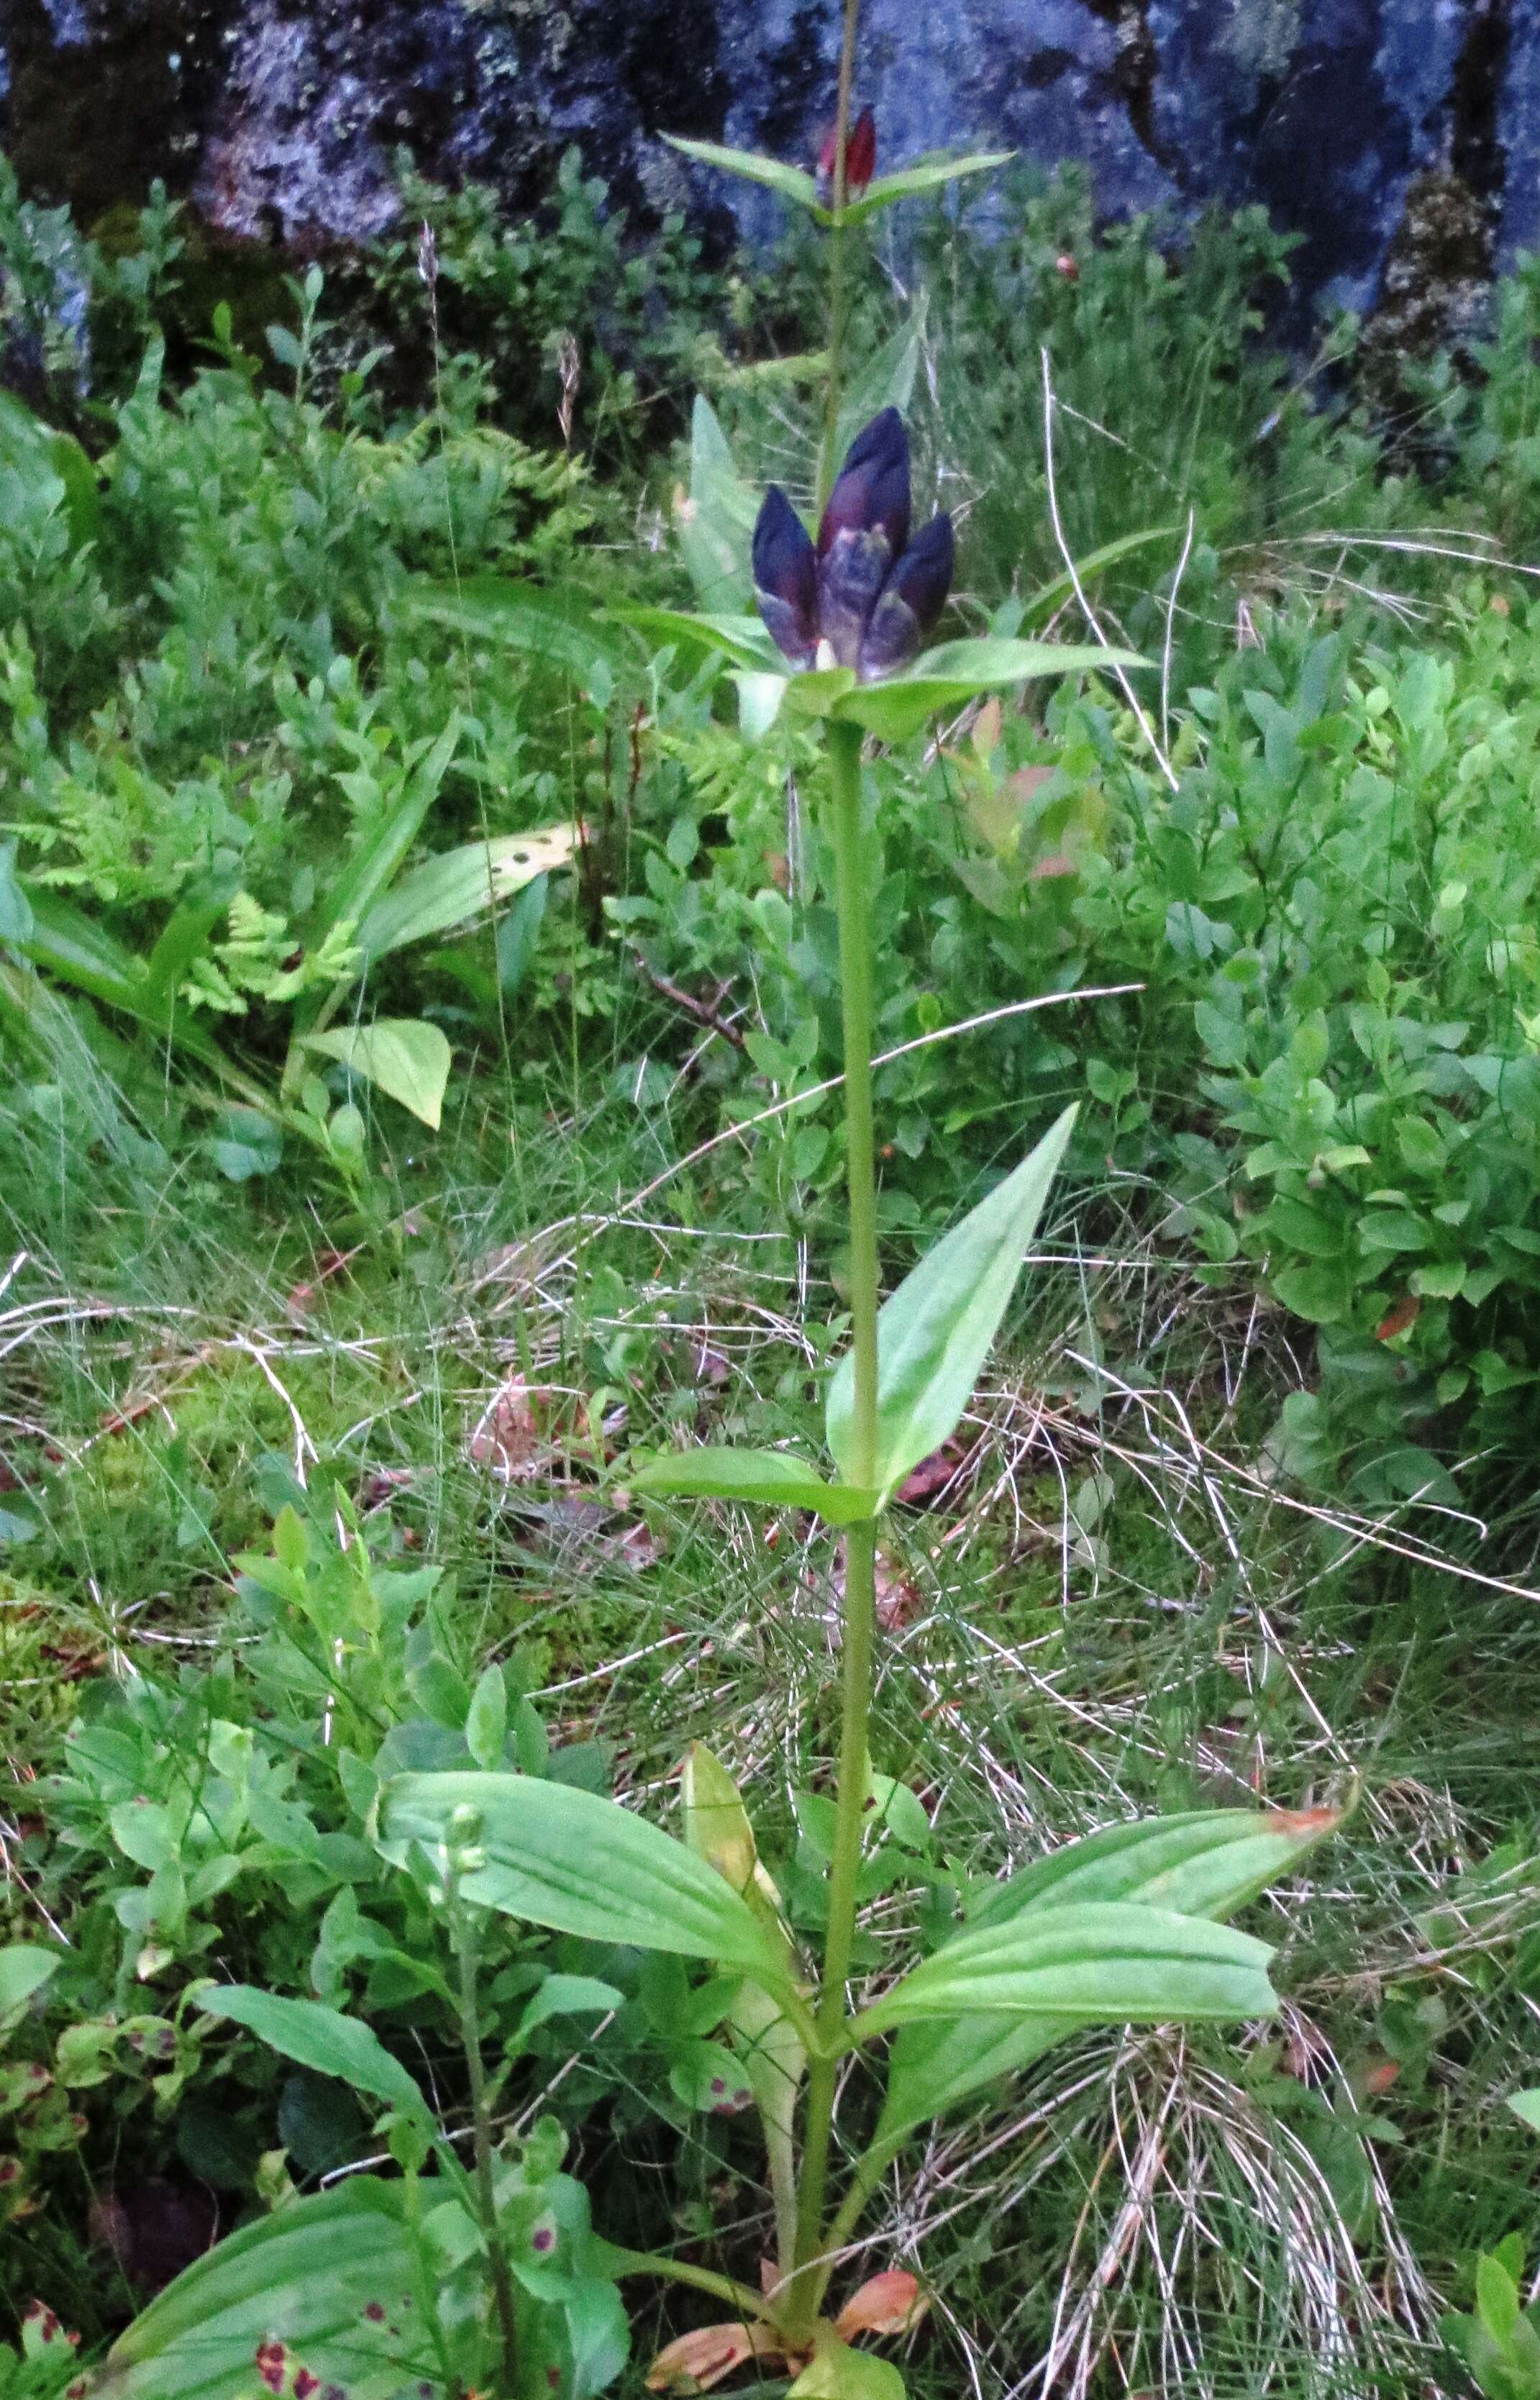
(470, 2037)
(838, 304)
(860, 1609)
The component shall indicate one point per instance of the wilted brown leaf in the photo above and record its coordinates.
(890, 2303)
(931, 1476)
(513, 1434)
(698, 2360)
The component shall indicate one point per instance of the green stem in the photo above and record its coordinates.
(860, 1609)
(838, 302)
(470, 2037)
(869, 2174)
(701, 2279)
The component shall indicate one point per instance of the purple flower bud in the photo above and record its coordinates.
(864, 530)
(909, 602)
(785, 578)
(871, 494)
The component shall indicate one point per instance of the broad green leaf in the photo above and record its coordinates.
(1206, 1863)
(945, 679)
(818, 691)
(564, 1857)
(741, 639)
(934, 1332)
(839, 2373)
(486, 1720)
(24, 1968)
(244, 1142)
(792, 183)
(406, 1055)
(556, 627)
(717, 522)
(886, 381)
(1526, 2107)
(455, 887)
(926, 175)
(1107, 1963)
(770, 1479)
(308, 2273)
(319, 2037)
(1051, 596)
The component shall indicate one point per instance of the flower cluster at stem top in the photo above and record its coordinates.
(865, 595)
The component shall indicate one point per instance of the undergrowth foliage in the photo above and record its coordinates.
(481, 1033)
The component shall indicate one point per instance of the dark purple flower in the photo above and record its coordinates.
(866, 596)
(785, 578)
(909, 602)
(871, 491)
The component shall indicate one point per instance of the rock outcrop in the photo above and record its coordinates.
(280, 117)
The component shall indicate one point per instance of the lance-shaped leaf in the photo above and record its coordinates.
(945, 679)
(793, 182)
(716, 523)
(581, 1864)
(741, 639)
(699, 2361)
(1050, 597)
(1111, 1963)
(306, 2275)
(458, 885)
(770, 1479)
(322, 2038)
(1206, 1863)
(926, 175)
(554, 626)
(934, 1332)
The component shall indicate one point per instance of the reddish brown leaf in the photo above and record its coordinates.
(1398, 1319)
(701, 2359)
(931, 1477)
(513, 1434)
(891, 2303)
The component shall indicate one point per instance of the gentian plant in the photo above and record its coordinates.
(1126, 1926)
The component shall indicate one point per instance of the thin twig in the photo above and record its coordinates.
(703, 1011)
